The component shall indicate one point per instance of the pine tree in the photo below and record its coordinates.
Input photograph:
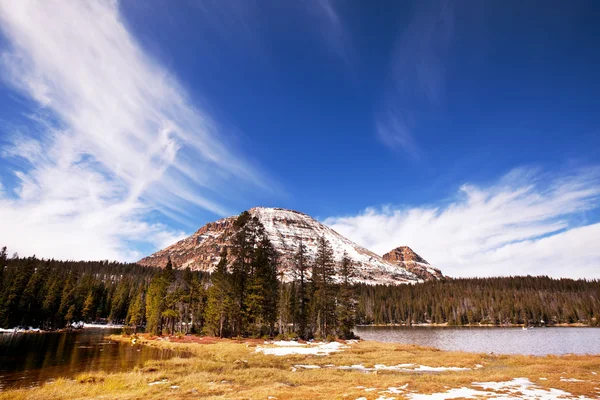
(300, 275)
(66, 309)
(243, 251)
(198, 304)
(324, 289)
(263, 288)
(118, 310)
(88, 312)
(136, 310)
(156, 299)
(346, 310)
(287, 306)
(220, 300)
(51, 302)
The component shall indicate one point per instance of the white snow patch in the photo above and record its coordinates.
(76, 325)
(425, 368)
(19, 330)
(307, 366)
(284, 348)
(401, 368)
(103, 326)
(525, 389)
(570, 380)
(359, 367)
(518, 388)
(396, 390)
(164, 381)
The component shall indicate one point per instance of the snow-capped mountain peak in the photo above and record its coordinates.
(285, 229)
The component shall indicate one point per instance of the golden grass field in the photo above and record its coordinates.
(232, 369)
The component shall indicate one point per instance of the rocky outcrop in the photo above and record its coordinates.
(406, 258)
(285, 228)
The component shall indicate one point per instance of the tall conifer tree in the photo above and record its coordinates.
(220, 301)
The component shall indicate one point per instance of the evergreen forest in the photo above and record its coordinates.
(246, 297)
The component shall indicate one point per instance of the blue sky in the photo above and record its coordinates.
(470, 132)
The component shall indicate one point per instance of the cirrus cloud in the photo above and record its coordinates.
(112, 137)
(526, 223)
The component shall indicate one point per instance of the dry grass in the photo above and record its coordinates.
(229, 369)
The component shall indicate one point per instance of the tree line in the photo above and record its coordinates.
(523, 300)
(245, 295)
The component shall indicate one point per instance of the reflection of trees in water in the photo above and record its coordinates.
(28, 359)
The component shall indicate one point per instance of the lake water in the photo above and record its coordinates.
(499, 340)
(29, 359)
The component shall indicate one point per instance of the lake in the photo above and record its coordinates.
(499, 340)
(29, 359)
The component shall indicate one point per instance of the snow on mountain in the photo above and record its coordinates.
(285, 229)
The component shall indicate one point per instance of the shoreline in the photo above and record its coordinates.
(257, 369)
(445, 325)
(116, 326)
(72, 329)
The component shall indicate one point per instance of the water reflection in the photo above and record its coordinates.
(28, 359)
(538, 341)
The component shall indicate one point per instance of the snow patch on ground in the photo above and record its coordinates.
(523, 388)
(17, 330)
(284, 348)
(518, 388)
(103, 326)
(382, 367)
(425, 368)
(401, 368)
(396, 390)
(570, 380)
(304, 366)
(162, 382)
(76, 325)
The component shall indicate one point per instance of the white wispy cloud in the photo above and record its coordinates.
(526, 223)
(417, 74)
(332, 28)
(114, 136)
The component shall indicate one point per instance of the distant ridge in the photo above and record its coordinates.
(406, 258)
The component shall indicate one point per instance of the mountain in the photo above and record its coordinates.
(285, 229)
(406, 258)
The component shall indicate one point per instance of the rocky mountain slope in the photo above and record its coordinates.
(406, 258)
(285, 229)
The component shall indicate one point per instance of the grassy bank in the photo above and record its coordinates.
(229, 369)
